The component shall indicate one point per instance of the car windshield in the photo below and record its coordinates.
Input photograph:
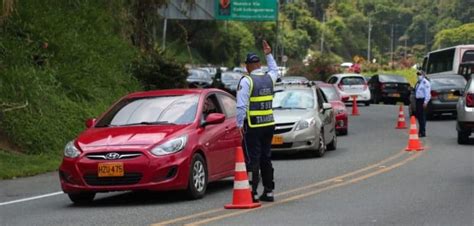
(441, 83)
(294, 99)
(152, 110)
(198, 74)
(330, 93)
(349, 81)
(231, 76)
(392, 78)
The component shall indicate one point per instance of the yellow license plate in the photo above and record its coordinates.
(112, 169)
(451, 97)
(277, 140)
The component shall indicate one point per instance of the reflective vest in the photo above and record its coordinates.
(259, 111)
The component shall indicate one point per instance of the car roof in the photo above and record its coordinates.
(170, 92)
(347, 75)
(445, 76)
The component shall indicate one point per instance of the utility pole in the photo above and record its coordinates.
(368, 41)
(391, 46)
(165, 24)
(322, 34)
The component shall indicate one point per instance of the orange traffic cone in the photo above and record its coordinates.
(242, 197)
(355, 110)
(401, 119)
(414, 143)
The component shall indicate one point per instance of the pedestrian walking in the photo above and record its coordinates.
(422, 97)
(255, 121)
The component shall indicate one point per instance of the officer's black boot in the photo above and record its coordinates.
(268, 184)
(255, 175)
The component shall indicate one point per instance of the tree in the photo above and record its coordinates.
(455, 36)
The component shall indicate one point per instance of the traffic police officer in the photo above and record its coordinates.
(255, 120)
(422, 96)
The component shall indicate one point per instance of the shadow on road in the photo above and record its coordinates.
(141, 198)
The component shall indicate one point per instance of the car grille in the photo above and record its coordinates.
(283, 127)
(284, 145)
(121, 155)
(127, 179)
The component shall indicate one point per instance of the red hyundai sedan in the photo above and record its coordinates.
(156, 140)
(337, 102)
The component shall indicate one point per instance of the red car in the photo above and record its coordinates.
(156, 140)
(337, 103)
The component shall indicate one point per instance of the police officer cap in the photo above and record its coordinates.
(252, 58)
(420, 72)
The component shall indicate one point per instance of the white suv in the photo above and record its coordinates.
(465, 112)
(351, 85)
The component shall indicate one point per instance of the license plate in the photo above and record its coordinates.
(112, 169)
(394, 95)
(277, 140)
(451, 97)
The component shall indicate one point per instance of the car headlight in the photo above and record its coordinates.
(306, 123)
(71, 151)
(171, 146)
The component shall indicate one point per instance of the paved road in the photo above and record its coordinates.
(368, 180)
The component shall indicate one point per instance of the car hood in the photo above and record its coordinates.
(130, 136)
(291, 116)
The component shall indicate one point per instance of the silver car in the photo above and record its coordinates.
(304, 119)
(465, 112)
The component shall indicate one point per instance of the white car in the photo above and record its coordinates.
(465, 113)
(352, 85)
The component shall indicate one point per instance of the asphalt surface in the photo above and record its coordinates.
(368, 180)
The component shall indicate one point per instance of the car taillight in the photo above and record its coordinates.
(470, 100)
(434, 94)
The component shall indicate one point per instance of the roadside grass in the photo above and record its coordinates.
(13, 165)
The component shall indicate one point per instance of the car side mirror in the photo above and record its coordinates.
(214, 118)
(327, 106)
(90, 122)
(345, 98)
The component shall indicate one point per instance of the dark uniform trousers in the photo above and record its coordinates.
(257, 147)
(420, 115)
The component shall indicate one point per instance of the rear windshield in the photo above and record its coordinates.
(330, 93)
(198, 74)
(231, 76)
(392, 78)
(440, 83)
(349, 81)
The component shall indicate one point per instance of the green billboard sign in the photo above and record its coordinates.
(255, 10)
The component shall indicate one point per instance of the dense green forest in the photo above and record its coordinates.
(62, 61)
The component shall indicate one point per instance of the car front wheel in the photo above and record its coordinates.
(81, 198)
(197, 177)
(463, 137)
(321, 146)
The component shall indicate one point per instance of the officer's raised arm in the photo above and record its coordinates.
(272, 66)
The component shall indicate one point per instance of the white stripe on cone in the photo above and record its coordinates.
(240, 167)
(413, 126)
(413, 136)
(401, 119)
(240, 185)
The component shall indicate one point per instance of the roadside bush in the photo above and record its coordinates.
(156, 71)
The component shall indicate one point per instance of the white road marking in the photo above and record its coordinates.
(31, 198)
